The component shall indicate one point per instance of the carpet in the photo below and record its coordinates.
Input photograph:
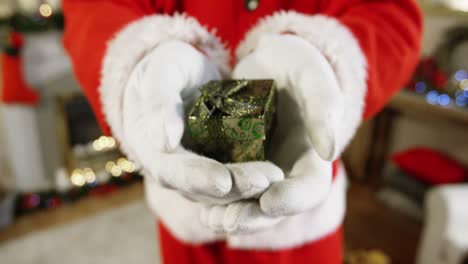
(120, 235)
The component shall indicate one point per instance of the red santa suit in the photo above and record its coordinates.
(373, 47)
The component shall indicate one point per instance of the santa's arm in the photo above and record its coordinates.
(389, 34)
(107, 38)
(372, 46)
(90, 25)
(137, 62)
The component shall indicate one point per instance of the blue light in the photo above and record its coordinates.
(443, 100)
(420, 87)
(461, 100)
(460, 75)
(432, 97)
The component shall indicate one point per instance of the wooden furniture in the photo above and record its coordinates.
(369, 151)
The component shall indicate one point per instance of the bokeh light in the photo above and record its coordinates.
(432, 97)
(444, 100)
(45, 10)
(420, 87)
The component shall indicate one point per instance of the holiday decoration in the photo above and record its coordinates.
(15, 90)
(416, 171)
(31, 17)
(233, 120)
(430, 166)
(19, 97)
(438, 79)
(51, 199)
(45, 18)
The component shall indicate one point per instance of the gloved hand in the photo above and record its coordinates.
(310, 113)
(160, 87)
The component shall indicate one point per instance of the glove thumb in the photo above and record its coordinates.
(321, 102)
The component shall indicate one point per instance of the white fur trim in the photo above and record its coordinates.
(182, 218)
(136, 40)
(302, 228)
(337, 44)
(445, 235)
(178, 214)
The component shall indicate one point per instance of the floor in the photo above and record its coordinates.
(368, 225)
(126, 234)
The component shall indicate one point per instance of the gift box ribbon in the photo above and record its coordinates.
(221, 98)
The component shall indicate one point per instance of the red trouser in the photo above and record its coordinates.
(328, 250)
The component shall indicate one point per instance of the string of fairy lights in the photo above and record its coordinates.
(438, 87)
(85, 181)
(100, 169)
(82, 176)
(443, 98)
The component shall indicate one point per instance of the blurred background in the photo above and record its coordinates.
(68, 194)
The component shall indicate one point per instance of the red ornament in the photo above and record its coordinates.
(53, 202)
(426, 67)
(30, 201)
(127, 177)
(440, 79)
(411, 85)
(16, 40)
(15, 90)
(103, 190)
(430, 166)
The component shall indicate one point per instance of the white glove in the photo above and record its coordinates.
(310, 109)
(160, 87)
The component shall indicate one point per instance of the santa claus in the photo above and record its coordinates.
(336, 64)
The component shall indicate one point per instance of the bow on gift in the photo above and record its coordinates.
(222, 97)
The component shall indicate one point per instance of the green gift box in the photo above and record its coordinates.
(232, 121)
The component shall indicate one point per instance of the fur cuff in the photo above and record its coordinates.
(301, 229)
(136, 40)
(337, 44)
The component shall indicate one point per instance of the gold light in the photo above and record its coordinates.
(89, 175)
(109, 166)
(129, 167)
(78, 178)
(97, 145)
(464, 84)
(121, 161)
(103, 143)
(111, 142)
(126, 165)
(116, 171)
(45, 10)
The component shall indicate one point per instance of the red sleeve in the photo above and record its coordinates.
(389, 34)
(89, 26)
(372, 46)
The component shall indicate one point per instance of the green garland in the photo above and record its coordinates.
(27, 24)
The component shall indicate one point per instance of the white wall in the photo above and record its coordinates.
(434, 28)
(6, 179)
(5, 175)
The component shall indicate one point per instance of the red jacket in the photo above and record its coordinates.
(373, 47)
(388, 32)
